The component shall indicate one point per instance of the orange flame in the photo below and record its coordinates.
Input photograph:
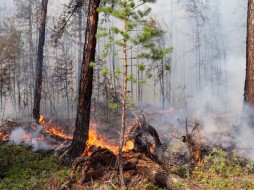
(41, 119)
(100, 140)
(4, 137)
(93, 138)
(53, 129)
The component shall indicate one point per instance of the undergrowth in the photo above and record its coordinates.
(222, 171)
(20, 168)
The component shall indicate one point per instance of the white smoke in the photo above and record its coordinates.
(21, 136)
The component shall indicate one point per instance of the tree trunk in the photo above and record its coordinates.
(248, 116)
(39, 65)
(249, 81)
(85, 88)
(79, 42)
(123, 126)
(31, 48)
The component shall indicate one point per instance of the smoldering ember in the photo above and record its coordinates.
(127, 94)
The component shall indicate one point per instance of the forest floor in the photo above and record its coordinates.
(23, 168)
(20, 168)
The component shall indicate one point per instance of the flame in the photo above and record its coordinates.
(41, 119)
(4, 137)
(101, 140)
(129, 145)
(53, 129)
(94, 138)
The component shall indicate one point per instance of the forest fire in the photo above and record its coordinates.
(95, 139)
(51, 128)
(4, 137)
(99, 140)
(41, 119)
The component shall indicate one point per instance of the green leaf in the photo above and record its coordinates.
(105, 70)
(119, 43)
(115, 30)
(104, 54)
(101, 34)
(131, 105)
(130, 77)
(112, 106)
(118, 71)
(92, 64)
(143, 81)
(140, 67)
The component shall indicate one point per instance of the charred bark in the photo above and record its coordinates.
(145, 138)
(39, 65)
(86, 79)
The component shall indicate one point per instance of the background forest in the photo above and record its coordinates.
(207, 60)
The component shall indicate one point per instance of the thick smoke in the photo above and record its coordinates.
(21, 136)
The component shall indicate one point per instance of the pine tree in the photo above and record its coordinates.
(135, 31)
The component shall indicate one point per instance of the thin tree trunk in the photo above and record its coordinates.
(85, 88)
(39, 65)
(30, 40)
(123, 125)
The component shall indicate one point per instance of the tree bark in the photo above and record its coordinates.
(248, 116)
(86, 79)
(39, 65)
(249, 81)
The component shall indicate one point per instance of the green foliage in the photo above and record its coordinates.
(131, 77)
(105, 70)
(112, 106)
(140, 67)
(20, 168)
(104, 54)
(138, 20)
(131, 104)
(92, 64)
(222, 172)
(117, 71)
(143, 81)
(101, 34)
(135, 32)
